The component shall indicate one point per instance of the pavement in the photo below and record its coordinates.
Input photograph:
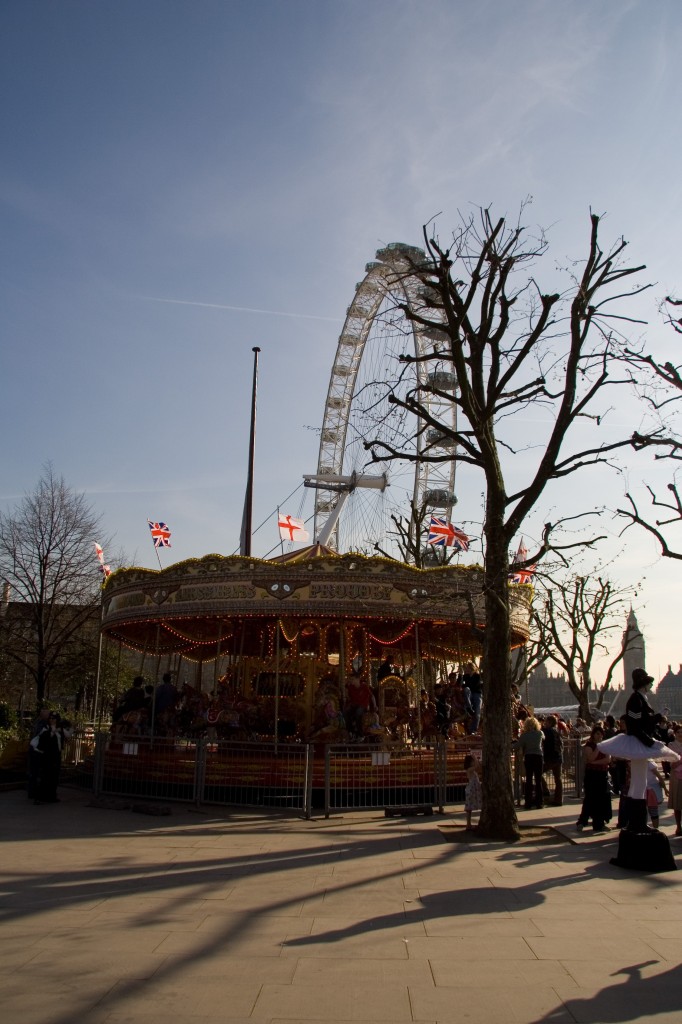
(107, 915)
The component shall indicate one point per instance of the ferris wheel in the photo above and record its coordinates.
(356, 496)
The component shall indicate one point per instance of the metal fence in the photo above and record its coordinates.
(294, 776)
(356, 778)
(571, 770)
(226, 772)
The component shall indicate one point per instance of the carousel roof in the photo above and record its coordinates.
(305, 554)
(219, 605)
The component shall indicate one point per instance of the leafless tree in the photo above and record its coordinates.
(577, 618)
(664, 389)
(513, 347)
(408, 533)
(47, 557)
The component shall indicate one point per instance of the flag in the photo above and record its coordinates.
(104, 569)
(292, 529)
(441, 533)
(161, 535)
(526, 574)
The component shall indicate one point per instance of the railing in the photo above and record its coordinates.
(571, 770)
(226, 772)
(357, 778)
(292, 776)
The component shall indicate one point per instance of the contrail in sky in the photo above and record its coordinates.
(244, 309)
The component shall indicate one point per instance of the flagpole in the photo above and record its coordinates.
(245, 545)
(281, 538)
(156, 552)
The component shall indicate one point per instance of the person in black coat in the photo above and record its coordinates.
(640, 718)
(48, 751)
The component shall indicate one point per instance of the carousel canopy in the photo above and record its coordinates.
(219, 605)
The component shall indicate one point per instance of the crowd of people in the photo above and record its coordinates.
(632, 760)
(152, 705)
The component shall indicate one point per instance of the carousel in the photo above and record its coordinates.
(269, 650)
(269, 647)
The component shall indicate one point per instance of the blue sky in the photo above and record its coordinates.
(171, 167)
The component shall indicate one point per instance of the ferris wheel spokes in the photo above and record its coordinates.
(344, 486)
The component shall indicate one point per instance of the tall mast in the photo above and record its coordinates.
(245, 543)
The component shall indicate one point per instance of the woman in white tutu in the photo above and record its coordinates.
(637, 745)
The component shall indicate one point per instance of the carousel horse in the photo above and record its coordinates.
(131, 723)
(394, 706)
(222, 723)
(424, 720)
(329, 724)
(372, 729)
(191, 711)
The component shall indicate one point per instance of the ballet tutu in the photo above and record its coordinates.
(629, 748)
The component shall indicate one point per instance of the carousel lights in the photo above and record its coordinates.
(395, 640)
(192, 640)
(289, 639)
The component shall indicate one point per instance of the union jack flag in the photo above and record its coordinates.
(161, 535)
(441, 533)
(526, 574)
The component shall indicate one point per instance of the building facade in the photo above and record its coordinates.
(635, 653)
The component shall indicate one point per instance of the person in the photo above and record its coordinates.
(33, 768)
(596, 792)
(148, 700)
(640, 718)
(530, 742)
(443, 710)
(166, 694)
(655, 788)
(48, 747)
(133, 699)
(552, 752)
(472, 791)
(675, 784)
(40, 722)
(386, 668)
(474, 684)
(459, 699)
(359, 701)
(638, 746)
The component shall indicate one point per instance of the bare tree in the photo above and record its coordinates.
(47, 557)
(408, 533)
(524, 660)
(511, 347)
(664, 388)
(577, 618)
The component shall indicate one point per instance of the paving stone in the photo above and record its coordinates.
(233, 917)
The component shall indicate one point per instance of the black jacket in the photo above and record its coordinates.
(640, 718)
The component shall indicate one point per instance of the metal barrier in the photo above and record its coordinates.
(571, 770)
(257, 774)
(226, 772)
(294, 776)
(139, 766)
(358, 778)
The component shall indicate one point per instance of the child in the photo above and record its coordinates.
(655, 788)
(472, 793)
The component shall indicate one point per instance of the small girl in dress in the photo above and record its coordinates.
(472, 793)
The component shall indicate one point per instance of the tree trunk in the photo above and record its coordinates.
(498, 815)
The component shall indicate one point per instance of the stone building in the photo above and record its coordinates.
(635, 655)
(669, 693)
